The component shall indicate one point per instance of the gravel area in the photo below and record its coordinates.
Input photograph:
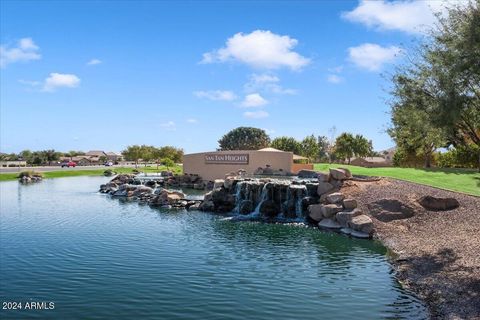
(435, 253)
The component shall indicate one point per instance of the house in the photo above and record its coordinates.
(96, 153)
(389, 153)
(115, 157)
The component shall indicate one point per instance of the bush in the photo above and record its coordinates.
(459, 157)
(30, 174)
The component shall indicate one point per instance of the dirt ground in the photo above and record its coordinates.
(435, 253)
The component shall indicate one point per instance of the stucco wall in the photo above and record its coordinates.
(194, 163)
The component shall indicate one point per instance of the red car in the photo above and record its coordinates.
(69, 164)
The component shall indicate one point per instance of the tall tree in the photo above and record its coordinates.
(133, 153)
(361, 146)
(288, 144)
(310, 147)
(323, 148)
(444, 78)
(344, 146)
(244, 138)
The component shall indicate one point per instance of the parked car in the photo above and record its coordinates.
(108, 164)
(69, 164)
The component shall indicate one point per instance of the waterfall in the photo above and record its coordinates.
(263, 197)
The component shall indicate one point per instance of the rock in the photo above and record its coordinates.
(329, 223)
(344, 217)
(349, 204)
(324, 187)
(208, 196)
(172, 198)
(269, 208)
(438, 204)
(195, 206)
(315, 212)
(387, 210)
(245, 207)
(218, 183)
(305, 174)
(335, 197)
(228, 183)
(329, 210)
(359, 234)
(207, 206)
(361, 223)
(346, 231)
(323, 177)
(340, 174)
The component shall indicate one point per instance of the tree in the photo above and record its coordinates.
(288, 144)
(310, 147)
(133, 153)
(443, 80)
(323, 148)
(361, 146)
(51, 155)
(167, 162)
(344, 146)
(244, 138)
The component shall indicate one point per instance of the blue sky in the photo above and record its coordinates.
(82, 75)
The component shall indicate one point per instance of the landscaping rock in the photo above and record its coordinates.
(340, 174)
(307, 174)
(324, 187)
(207, 206)
(359, 234)
(329, 210)
(387, 210)
(345, 217)
(438, 204)
(315, 212)
(329, 223)
(323, 177)
(346, 231)
(335, 197)
(245, 207)
(361, 223)
(349, 204)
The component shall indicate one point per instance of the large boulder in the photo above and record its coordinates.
(329, 210)
(361, 223)
(307, 174)
(387, 210)
(329, 223)
(323, 177)
(315, 212)
(438, 204)
(340, 174)
(335, 197)
(344, 217)
(324, 187)
(207, 206)
(349, 204)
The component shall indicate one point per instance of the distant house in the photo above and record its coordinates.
(96, 153)
(13, 163)
(114, 157)
(371, 162)
(389, 153)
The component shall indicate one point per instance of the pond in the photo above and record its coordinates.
(99, 258)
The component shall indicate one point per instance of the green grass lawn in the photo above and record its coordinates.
(461, 180)
(91, 172)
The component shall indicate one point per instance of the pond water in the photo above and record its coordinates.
(99, 258)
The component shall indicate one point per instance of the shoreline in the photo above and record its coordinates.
(435, 254)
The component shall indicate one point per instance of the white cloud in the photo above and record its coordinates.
(59, 80)
(404, 15)
(255, 114)
(259, 49)
(30, 83)
(170, 125)
(371, 56)
(266, 82)
(333, 78)
(192, 120)
(26, 50)
(254, 100)
(94, 62)
(216, 95)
